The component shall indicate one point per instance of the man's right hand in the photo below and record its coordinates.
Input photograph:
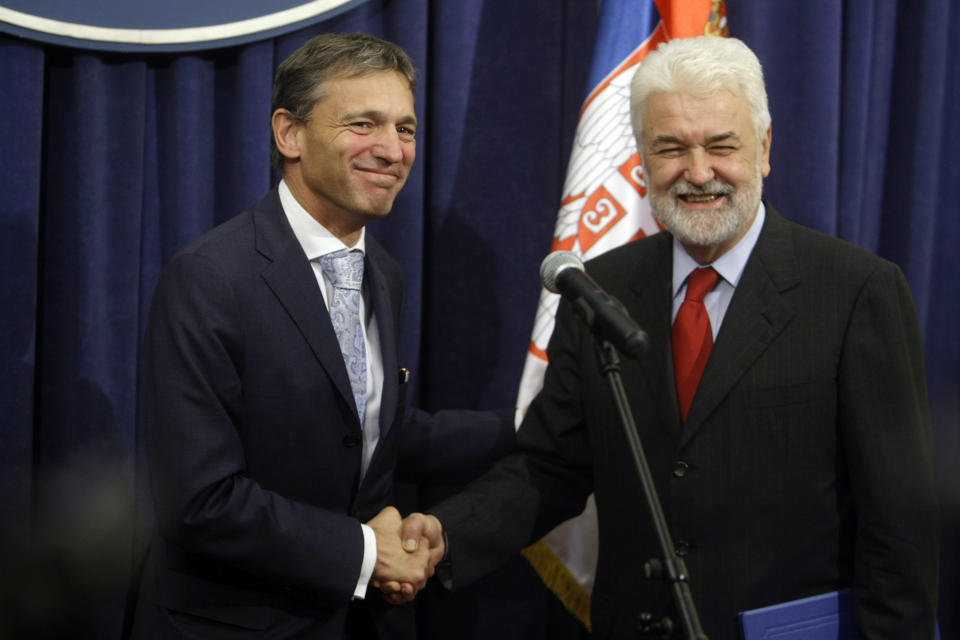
(399, 573)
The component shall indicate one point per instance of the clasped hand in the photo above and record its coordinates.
(408, 551)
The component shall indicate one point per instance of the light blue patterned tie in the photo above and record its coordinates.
(345, 270)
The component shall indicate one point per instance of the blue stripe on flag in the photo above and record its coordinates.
(623, 26)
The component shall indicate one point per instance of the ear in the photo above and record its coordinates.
(765, 152)
(285, 129)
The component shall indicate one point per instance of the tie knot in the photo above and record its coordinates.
(344, 268)
(700, 283)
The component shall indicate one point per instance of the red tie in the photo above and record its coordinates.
(692, 337)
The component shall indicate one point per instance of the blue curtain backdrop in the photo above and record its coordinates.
(110, 162)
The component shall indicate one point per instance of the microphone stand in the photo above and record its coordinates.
(671, 568)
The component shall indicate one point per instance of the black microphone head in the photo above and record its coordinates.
(556, 262)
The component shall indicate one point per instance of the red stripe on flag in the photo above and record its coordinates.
(685, 19)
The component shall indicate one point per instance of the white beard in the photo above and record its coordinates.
(709, 228)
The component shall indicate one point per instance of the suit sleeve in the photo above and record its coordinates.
(544, 482)
(453, 446)
(886, 435)
(206, 502)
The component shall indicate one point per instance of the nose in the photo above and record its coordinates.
(699, 169)
(389, 147)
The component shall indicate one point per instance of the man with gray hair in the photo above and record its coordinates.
(782, 403)
(273, 390)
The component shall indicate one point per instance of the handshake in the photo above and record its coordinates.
(408, 551)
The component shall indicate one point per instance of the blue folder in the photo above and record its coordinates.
(828, 616)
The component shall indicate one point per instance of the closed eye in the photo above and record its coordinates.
(670, 152)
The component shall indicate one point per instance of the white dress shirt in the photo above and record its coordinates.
(729, 266)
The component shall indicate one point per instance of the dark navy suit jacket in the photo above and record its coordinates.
(254, 443)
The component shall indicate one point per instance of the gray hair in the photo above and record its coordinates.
(299, 81)
(699, 67)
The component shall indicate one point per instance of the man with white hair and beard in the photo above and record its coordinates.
(782, 402)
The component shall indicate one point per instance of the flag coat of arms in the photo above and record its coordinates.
(603, 206)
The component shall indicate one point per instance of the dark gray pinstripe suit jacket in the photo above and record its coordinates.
(806, 461)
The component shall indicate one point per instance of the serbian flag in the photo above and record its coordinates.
(604, 205)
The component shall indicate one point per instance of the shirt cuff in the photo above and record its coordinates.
(369, 562)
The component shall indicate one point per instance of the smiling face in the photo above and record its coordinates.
(348, 162)
(705, 168)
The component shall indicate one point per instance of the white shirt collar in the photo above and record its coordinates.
(730, 265)
(315, 239)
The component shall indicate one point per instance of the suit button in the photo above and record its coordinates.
(351, 440)
(682, 548)
(680, 468)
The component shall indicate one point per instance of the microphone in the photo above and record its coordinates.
(562, 272)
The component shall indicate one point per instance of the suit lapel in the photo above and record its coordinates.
(291, 278)
(648, 302)
(383, 309)
(756, 315)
